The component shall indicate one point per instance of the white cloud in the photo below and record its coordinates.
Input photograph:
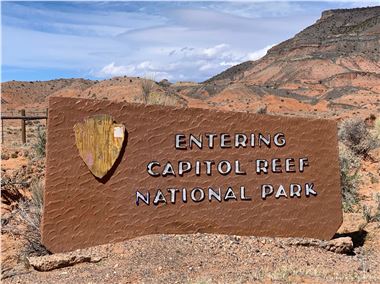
(112, 70)
(146, 65)
(229, 64)
(212, 51)
(259, 53)
(207, 66)
(142, 69)
(189, 60)
(177, 41)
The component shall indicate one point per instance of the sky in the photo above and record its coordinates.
(178, 41)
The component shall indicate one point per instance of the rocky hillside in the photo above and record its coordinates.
(339, 34)
(29, 94)
(336, 61)
(330, 69)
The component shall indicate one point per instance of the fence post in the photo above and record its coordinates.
(23, 130)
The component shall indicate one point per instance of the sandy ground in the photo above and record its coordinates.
(205, 258)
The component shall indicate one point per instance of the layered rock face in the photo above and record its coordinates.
(338, 33)
(336, 61)
(338, 36)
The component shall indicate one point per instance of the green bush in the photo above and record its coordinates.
(354, 134)
(349, 176)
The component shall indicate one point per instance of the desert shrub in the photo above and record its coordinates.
(37, 199)
(262, 110)
(349, 176)
(147, 85)
(373, 179)
(28, 219)
(40, 146)
(25, 153)
(30, 212)
(354, 134)
(367, 211)
(376, 129)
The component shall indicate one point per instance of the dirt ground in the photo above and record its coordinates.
(205, 258)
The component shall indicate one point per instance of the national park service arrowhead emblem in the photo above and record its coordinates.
(99, 141)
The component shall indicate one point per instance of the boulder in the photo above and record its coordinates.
(341, 245)
(60, 260)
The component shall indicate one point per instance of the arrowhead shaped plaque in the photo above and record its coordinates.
(99, 141)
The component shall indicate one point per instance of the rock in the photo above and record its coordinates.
(60, 260)
(341, 245)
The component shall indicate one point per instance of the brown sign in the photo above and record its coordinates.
(187, 171)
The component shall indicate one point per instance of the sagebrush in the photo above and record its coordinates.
(355, 135)
(40, 146)
(349, 176)
(147, 85)
(372, 214)
(376, 129)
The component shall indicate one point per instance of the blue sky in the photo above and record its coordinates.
(180, 41)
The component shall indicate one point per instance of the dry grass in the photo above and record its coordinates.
(162, 99)
(376, 129)
(349, 176)
(27, 219)
(40, 146)
(372, 214)
(147, 85)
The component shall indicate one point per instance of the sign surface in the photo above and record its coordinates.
(190, 170)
